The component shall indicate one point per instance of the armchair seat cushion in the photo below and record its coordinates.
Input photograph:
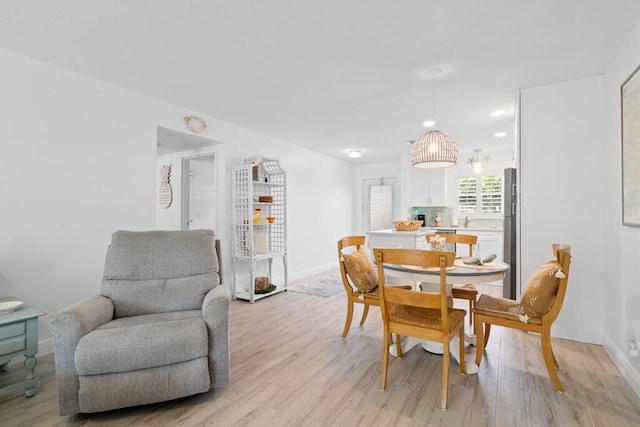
(142, 342)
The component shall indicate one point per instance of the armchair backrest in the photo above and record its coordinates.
(160, 271)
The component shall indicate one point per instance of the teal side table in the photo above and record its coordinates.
(19, 336)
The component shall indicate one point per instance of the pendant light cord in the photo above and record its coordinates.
(433, 95)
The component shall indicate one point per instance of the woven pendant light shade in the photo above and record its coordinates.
(434, 149)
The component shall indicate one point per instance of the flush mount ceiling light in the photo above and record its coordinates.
(500, 134)
(195, 124)
(355, 154)
(434, 149)
(497, 113)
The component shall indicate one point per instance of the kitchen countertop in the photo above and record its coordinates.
(426, 230)
(469, 228)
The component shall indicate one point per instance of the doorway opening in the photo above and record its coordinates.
(380, 201)
(199, 193)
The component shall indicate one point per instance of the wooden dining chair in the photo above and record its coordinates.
(359, 278)
(468, 291)
(423, 315)
(535, 312)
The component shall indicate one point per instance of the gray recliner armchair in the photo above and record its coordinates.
(158, 331)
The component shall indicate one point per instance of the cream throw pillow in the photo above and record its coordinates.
(361, 270)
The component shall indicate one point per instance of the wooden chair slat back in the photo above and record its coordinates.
(352, 242)
(464, 239)
(413, 257)
(563, 256)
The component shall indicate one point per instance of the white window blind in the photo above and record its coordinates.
(467, 197)
(492, 194)
(381, 206)
(480, 194)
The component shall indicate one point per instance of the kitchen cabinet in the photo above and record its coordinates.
(259, 224)
(489, 243)
(397, 239)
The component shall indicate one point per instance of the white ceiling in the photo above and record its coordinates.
(331, 75)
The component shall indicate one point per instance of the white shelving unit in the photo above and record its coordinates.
(258, 244)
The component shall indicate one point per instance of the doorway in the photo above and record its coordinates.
(380, 201)
(200, 193)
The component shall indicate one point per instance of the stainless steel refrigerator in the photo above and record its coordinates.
(510, 249)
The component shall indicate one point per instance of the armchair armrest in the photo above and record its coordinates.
(68, 326)
(215, 311)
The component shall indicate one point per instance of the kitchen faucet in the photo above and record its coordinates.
(466, 221)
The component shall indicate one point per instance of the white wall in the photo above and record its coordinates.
(79, 162)
(622, 287)
(561, 189)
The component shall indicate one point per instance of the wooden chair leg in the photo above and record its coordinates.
(398, 346)
(385, 358)
(461, 342)
(364, 314)
(487, 331)
(549, 358)
(347, 323)
(480, 344)
(446, 356)
(471, 307)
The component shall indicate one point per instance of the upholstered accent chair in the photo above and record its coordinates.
(158, 330)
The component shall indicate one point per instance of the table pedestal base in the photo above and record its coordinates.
(407, 343)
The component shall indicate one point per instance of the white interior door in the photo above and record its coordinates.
(200, 188)
(380, 198)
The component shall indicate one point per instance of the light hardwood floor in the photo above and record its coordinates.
(290, 367)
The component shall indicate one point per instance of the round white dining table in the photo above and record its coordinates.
(460, 274)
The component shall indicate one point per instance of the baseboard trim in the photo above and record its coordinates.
(622, 363)
(313, 271)
(45, 347)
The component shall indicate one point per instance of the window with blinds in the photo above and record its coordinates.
(480, 194)
(492, 194)
(467, 195)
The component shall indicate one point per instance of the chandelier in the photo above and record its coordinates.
(434, 149)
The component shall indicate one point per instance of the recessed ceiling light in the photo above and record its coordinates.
(500, 134)
(428, 123)
(355, 154)
(497, 113)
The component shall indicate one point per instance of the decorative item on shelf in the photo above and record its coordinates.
(261, 284)
(271, 219)
(261, 242)
(476, 162)
(257, 216)
(407, 225)
(434, 149)
(165, 196)
(437, 219)
(195, 124)
(265, 199)
(269, 289)
(9, 306)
